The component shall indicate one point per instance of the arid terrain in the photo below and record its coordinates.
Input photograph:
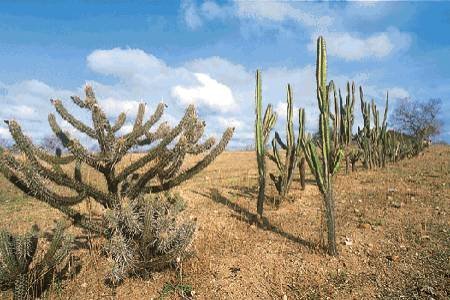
(393, 228)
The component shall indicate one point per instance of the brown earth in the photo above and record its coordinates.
(393, 228)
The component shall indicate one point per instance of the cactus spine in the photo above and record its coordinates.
(325, 164)
(263, 126)
(292, 152)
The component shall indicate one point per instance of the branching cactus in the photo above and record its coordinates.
(324, 163)
(41, 175)
(18, 271)
(263, 126)
(291, 152)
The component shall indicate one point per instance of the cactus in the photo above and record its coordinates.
(18, 271)
(324, 163)
(34, 177)
(292, 152)
(373, 141)
(145, 235)
(302, 172)
(263, 126)
(347, 119)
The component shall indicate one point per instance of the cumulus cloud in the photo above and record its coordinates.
(351, 47)
(210, 93)
(230, 122)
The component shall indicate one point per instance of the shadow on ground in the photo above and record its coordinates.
(252, 219)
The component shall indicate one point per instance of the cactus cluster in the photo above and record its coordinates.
(19, 268)
(145, 235)
(373, 140)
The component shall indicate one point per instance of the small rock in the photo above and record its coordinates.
(392, 257)
(396, 204)
(84, 285)
(428, 290)
(403, 247)
(425, 237)
(284, 297)
(347, 241)
(390, 198)
(392, 190)
(365, 226)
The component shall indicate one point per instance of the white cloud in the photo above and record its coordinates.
(211, 10)
(230, 122)
(398, 93)
(4, 133)
(190, 14)
(351, 47)
(262, 11)
(124, 63)
(113, 106)
(210, 93)
(279, 12)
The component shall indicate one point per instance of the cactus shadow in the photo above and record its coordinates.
(245, 192)
(80, 241)
(251, 218)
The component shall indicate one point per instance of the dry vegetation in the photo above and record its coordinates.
(393, 229)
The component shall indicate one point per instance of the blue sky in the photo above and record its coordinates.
(206, 52)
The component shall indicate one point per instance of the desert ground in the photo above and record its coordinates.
(393, 228)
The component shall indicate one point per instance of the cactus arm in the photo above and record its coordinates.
(65, 115)
(276, 155)
(280, 141)
(199, 166)
(74, 146)
(129, 140)
(58, 177)
(121, 119)
(152, 153)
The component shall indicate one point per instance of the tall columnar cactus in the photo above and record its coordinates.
(347, 116)
(373, 140)
(347, 119)
(263, 126)
(364, 135)
(18, 271)
(324, 163)
(291, 152)
(40, 174)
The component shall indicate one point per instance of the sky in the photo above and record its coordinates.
(207, 52)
